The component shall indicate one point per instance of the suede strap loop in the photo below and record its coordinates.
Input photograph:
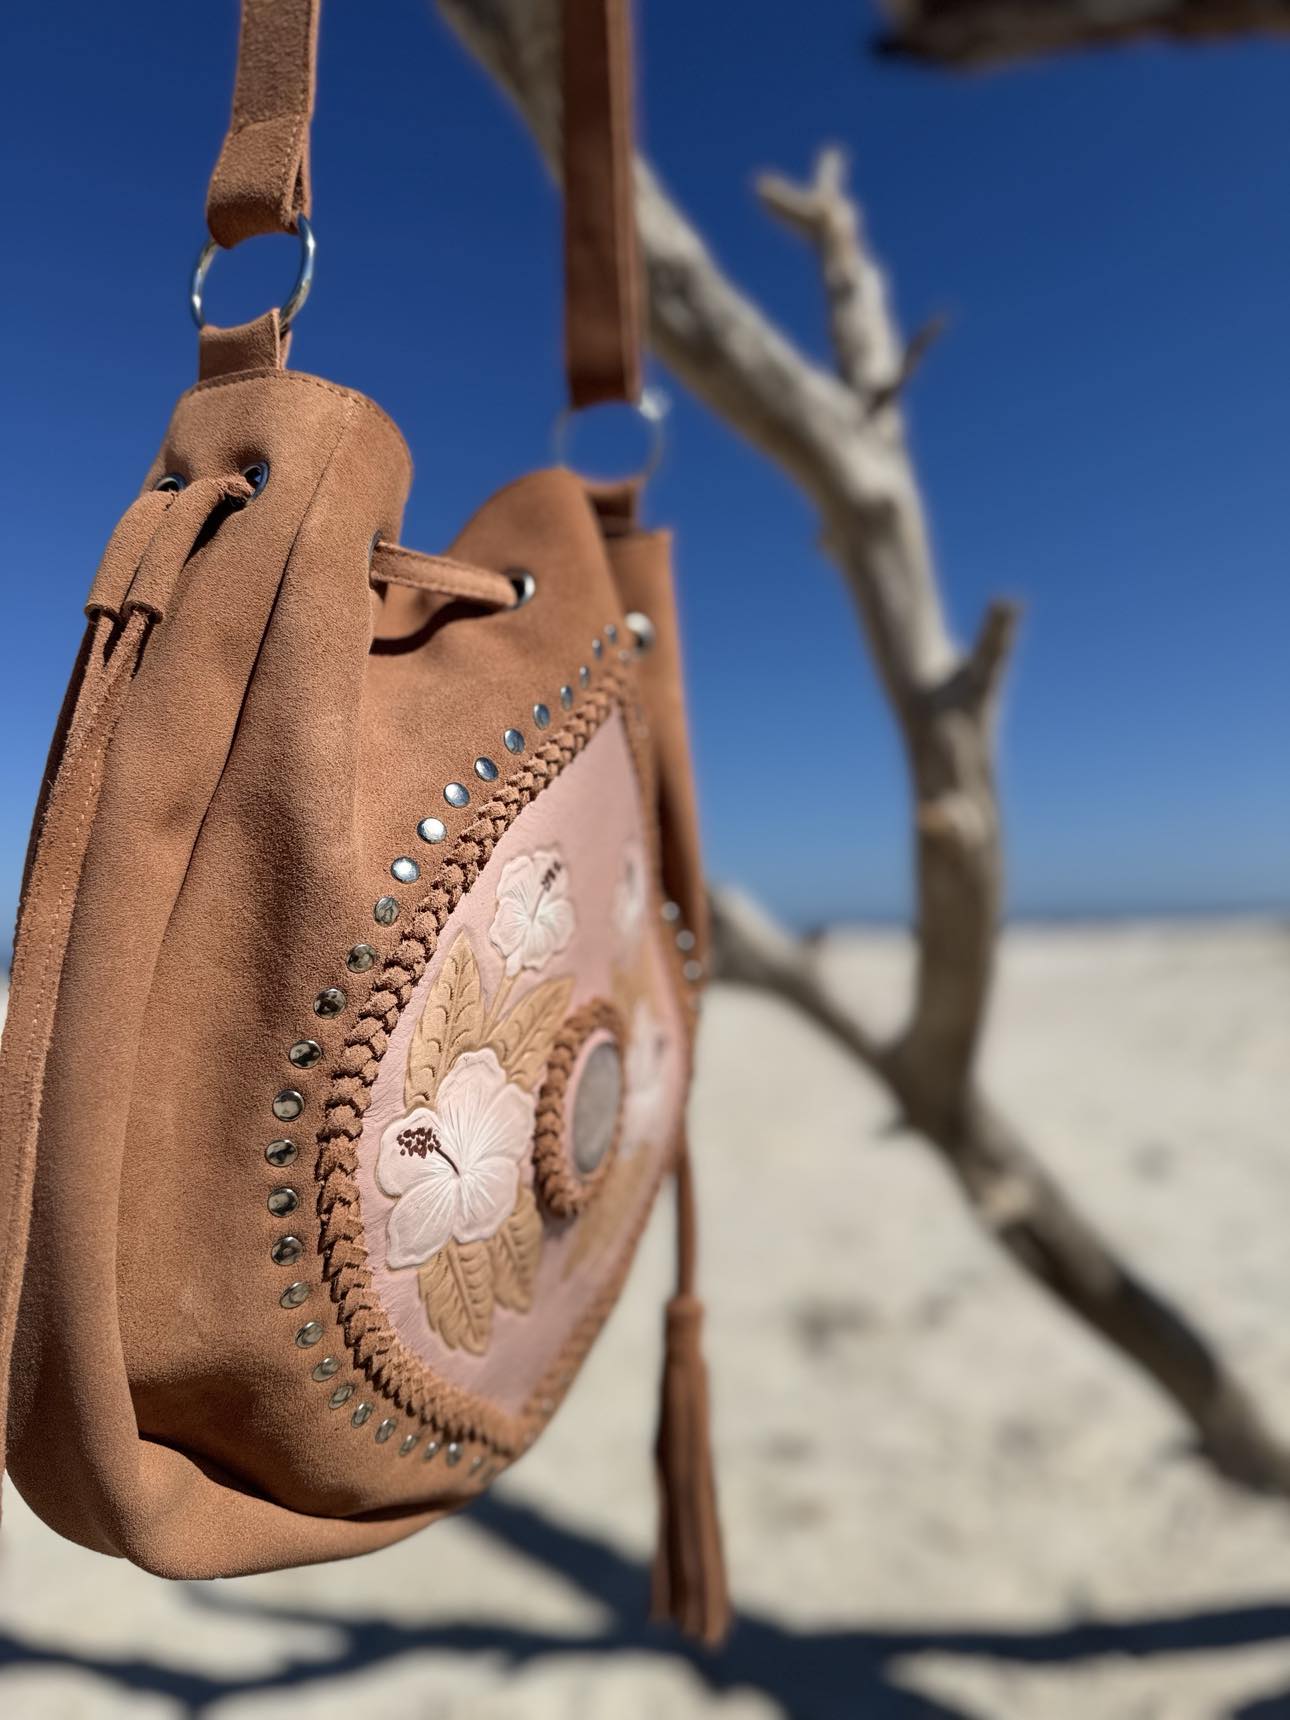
(261, 180)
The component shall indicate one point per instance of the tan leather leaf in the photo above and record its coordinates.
(451, 1022)
(524, 1039)
(516, 1251)
(457, 1292)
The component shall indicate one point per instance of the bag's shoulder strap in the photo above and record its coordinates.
(261, 180)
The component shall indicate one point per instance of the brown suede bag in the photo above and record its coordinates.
(360, 947)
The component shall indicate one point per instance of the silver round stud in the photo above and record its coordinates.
(341, 1395)
(432, 830)
(453, 1455)
(685, 940)
(281, 1201)
(584, 675)
(280, 1152)
(641, 629)
(486, 770)
(597, 649)
(305, 1053)
(431, 1451)
(287, 1105)
(476, 1464)
(542, 716)
(671, 912)
(360, 958)
(405, 869)
(361, 1414)
(327, 1367)
(286, 1250)
(385, 911)
(693, 971)
(409, 1444)
(330, 1002)
(513, 741)
(457, 794)
(309, 1333)
(294, 1294)
(611, 632)
(384, 1431)
(566, 696)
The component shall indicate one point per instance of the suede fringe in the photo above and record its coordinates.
(689, 1577)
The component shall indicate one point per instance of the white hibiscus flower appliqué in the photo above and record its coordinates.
(631, 897)
(534, 918)
(454, 1167)
(645, 1078)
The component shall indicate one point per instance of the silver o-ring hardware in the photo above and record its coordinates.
(295, 298)
(651, 409)
(257, 476)
(171, 484)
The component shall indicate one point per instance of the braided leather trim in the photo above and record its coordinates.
(565, 1189)
(377, 1349)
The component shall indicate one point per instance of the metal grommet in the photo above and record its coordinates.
(453, 1455)
(294, 1294)
(432, 830)
(295, 298)
(281, 1201)
(385, 911)
(330, 1002)
(309, 1333)
(286, 1250)
(431, 1451)
(405, 869)
(257, 476)
(327, 1367)
(542, 716)
(386, 1428)
(641, 629)
(361, 1414)
(486, 770)
(457, 794)
(341, 1395)
(566, 697)
(523, 584)
(409, 1444)
(171, 484)
(360, 958)
(513, 741)
(280, 1152)
(305, 1053)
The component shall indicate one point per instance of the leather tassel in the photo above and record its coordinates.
(689, 1577)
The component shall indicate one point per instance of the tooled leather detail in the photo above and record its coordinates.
(564, 1189)
(377, 1349)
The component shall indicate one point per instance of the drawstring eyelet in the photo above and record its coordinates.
(257, 476)
(171, 483)
(522, 583)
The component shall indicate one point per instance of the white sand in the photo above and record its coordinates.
(942, 1499)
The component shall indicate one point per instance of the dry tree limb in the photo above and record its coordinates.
(840, 436)
(988, 32)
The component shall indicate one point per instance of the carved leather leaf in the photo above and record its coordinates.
(524, 1039)
(516, 1251)
(456, 1287)
(451, 1022)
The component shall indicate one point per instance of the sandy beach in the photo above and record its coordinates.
(941, 1498)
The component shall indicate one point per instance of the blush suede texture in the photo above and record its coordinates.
(285, 730)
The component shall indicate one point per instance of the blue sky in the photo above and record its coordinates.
(1101, 433)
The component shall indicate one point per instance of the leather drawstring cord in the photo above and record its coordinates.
(689, 1578)
(137, 575)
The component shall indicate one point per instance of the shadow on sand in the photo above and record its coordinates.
(811, 1675)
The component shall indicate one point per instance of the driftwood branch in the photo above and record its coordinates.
(840, 436)
(986, 32)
